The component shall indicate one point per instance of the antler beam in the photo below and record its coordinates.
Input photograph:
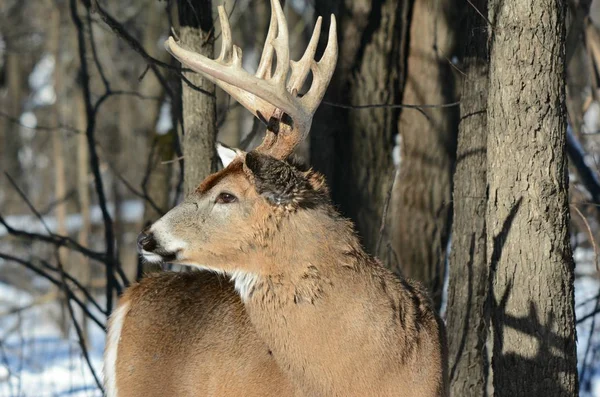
(270, 97)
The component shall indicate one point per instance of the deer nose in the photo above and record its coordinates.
(146, 242)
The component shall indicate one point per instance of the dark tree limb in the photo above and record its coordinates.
(56, 282)
(112, 261)
(135, 45)
(577, 154)
(78, 330)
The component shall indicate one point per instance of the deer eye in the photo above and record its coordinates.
(225, 198)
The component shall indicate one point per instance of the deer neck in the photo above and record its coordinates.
(295, 304)
(300, 259)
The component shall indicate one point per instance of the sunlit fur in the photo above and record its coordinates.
(187, 334)
(335, 321)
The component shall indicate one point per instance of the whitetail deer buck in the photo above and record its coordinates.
(317, 315)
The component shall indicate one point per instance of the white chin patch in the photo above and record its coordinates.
(244, 283)
(149, 257)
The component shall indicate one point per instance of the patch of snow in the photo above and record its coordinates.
(25, 156)
(35, 358)
(587, 286)
(42, 72)
(2, 49)
(41, 82)
(165, 122)
(591, 118)
(29, 120)
(44, 96)
(160, 44)
(397, 151)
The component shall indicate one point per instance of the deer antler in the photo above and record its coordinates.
(270, 97)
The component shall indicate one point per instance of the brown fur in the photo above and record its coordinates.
(337, 322)
(187, 334)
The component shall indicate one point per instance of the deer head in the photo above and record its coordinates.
(228, 224)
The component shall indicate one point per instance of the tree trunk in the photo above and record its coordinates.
(369, 72)
(11, 138)
(84, 274)
(161, 145)
(198, 107)
(58, 157)
(466, 324)
(421, 201)
(530, 258)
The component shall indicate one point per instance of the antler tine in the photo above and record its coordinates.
(322, 71)
(281, 46)
(226, 40)
(282, 143)
(250, 91)
(266, 58)
(300, 68)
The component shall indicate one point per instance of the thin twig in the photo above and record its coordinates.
(385, 211)
(391, 106)
(109, 94)
(79, 286)
(480, 13)
(54, 239)
(28, 202)
(45, 225)
(590, 234)
(80, 337)
(48, 277)
(143, 195)
(60, 127)
(99, 67)
(151, 61)
(589, 345)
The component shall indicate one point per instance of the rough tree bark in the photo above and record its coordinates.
(466, 323)
(369, 71)
(10, 139)
(157, 183)
(421, 202)
(531, 268)
(198, 107)
(58, 154)
(83, 199)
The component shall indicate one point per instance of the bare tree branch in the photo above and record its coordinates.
(56, 282)
(135, 45)
(15, 120)
(112, 260)
(80, 337)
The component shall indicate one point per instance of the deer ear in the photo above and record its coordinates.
(279, 182)
(226, 154)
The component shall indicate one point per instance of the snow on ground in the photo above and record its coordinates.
(35, 359)
(587, 287)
